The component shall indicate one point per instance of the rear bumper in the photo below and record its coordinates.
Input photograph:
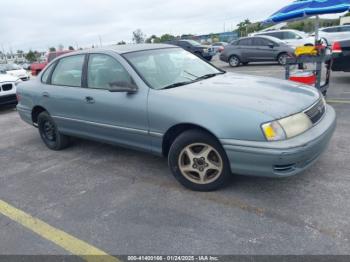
(8, 100)
(341, 63)
(25, 114)
(284, 158)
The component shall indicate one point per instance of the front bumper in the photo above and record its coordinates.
(8, 100)
(282, 158)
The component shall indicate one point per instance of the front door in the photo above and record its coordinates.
(118, 117)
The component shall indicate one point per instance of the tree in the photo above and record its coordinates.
(30, 56)
(121, 43)
(348, 14)
(153, 39)
(71, 48)
(52, 49)
(166, 37)
(138, 36)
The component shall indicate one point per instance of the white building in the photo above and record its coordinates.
(345, 20)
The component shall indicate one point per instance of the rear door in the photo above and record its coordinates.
(62, 92)
(246, 49)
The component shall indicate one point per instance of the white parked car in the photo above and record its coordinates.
(335, 33)
(293, 38)
(15, 70)
(8, 86)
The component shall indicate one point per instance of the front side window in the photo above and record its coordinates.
(261, 42)
(245, 42)
(46, 74)
(68, 71)
(165, 67)
(104, 72)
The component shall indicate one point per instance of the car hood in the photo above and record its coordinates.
(7, 78)
(273, 97)
(19, 72)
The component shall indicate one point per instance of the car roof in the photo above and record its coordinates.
(123, 49)
(262, 36)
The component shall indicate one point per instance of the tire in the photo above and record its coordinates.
(49, 133)
(198, 161)
(282, 58)
(234, 61)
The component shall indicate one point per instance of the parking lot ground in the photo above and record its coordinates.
(126, 202)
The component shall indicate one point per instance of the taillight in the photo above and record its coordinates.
(336, 47)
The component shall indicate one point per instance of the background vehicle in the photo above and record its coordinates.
(8, 85)
(256, 49)
(167, 101)
(293, 38)
(15, 70)
(219, 46)
(194, 47)
(335, 33)
(37, 67)
(342, 61)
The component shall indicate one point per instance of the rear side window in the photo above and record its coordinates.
(245, 42)
(46, 74)
(345, 29)
(105, 72)
(68, 71)
(261, 42)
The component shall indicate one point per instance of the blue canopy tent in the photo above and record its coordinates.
(305, 8)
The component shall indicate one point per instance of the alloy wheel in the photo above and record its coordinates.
(200, 163)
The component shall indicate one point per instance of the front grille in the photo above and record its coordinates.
(7, 100)
(316, 112)
(6, 87)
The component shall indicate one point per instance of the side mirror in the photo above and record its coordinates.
(122, 86)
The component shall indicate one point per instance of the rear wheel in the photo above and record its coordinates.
(198, 161)
(234, 61)
(49, 133)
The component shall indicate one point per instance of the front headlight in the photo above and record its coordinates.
(287, 127)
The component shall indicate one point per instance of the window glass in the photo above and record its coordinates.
(164, 67)
(290, 35)
(68, 71)
(105, 72)
(245, 42)
(46, 74)
(345, 29)
(261, 42)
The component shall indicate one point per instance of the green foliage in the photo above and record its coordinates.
(71, 48)
(153, 39)
(52, 49)
(166, 37)
(30, 56)
(348, 14)
(121, 43)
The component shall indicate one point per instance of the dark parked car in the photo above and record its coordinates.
(256, 49)
(342, 61)
(194, 47)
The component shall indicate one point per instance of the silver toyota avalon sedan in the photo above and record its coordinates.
(164, 100)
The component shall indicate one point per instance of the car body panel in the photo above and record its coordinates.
(230, 106)
(7, 90)
(341, 62)
(293, 38)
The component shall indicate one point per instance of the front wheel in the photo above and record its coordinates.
(49, 133)
(198, 161)
(234, 61)
(282, 59)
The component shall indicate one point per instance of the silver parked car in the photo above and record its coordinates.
(256, 49)
(169, 102)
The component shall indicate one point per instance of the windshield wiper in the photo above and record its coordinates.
(209, 76)
(177, 84)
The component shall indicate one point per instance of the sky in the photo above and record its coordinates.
(40, 24)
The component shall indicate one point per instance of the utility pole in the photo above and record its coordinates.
(99, 37)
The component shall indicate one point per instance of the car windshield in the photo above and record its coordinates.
(10, 67)
(171, 67)
(192, 42)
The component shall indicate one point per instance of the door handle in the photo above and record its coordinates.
(89, 100)
(46, 94)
